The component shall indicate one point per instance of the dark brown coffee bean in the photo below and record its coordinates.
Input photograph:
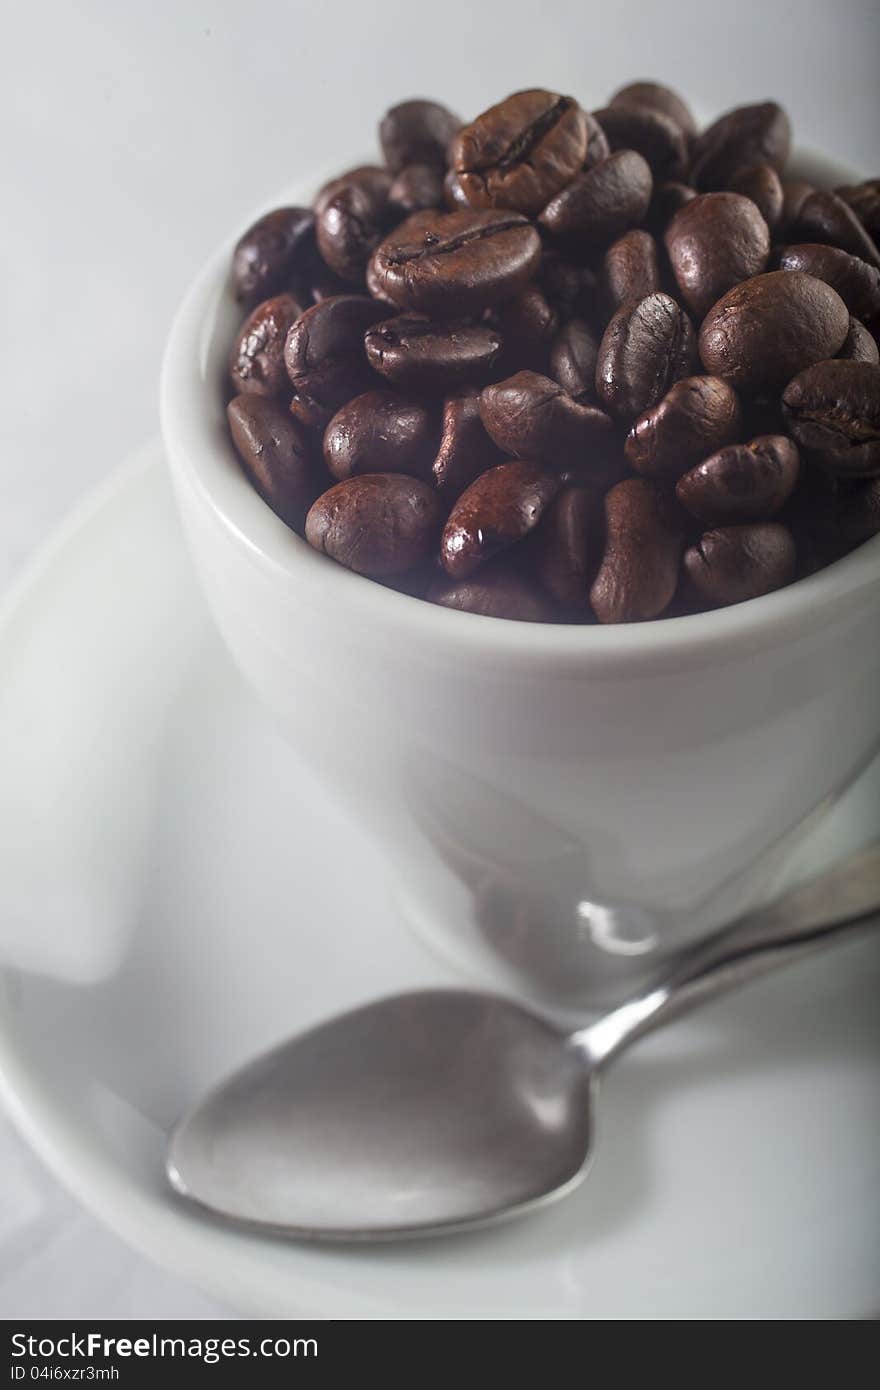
(631, 268)
(645, 348)
(417, 132)
(697, 415)
(795, 192)
(324, 353)
(657, 137)
(309, 414)
(497, 590)
(657, 98)
(834, 408)
(349, 228)
(762, 184)
(465, 449)
(257, 362)
(859, 345)
(498, 509)
(713, 242)
(666, 199)
(735, 563)
(380, 432)
(864, 199)
(764, 331)
(570, 288)
(418, 354)
(519, 153)
(758, 134)
(744, 482)
(857, 282)
(275, 254)
(828, 219)
(416, 188)
(378, 524)
(597, 142)
(600, 204)
(374, 180)
(453, 193)
(565, 549)
(278, 458)
(455, 263)
(573, 361)
(638, 574)
(527, 323)
(530, 416)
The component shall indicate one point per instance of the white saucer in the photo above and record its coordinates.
(177, 893)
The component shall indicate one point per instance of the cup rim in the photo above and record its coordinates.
(203, 461)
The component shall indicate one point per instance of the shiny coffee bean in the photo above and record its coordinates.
(565, 549)
(656, 136)
(826, 218)
(497, 590)
(666, 199)
(697, 415)
(600, 204)
(348, 229)
(419, 354)
(530, 416)
(311, 415)
(499, 508)
(735, 563)
(377, 524)
(380, 432)
(638, 573)
(864, 199)
(527, 323)
(372, 178)
(257, 362)
(417, 188)
(744, 482)
(465, 449)
(857, 282)
(859, 345)
(276, 253)
(762, 184)
(631, 268)
(646, 347)
(713, 242)
(277, 456)
(656, 97)
(764, 331)
(834, 408)
(324, 352)
(456, 263)
(417, 132)
(520, 153)
(758, 134)
(573, 357)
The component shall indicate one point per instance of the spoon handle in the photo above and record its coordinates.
(841, 900)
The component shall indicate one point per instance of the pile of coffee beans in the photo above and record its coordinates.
(566, 366)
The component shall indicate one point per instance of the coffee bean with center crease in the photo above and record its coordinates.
(657, 97)
(638, 574)
(765, 330)
(743, 482)
(349, 228)
(859, 345)
(276, 253)
(654, 134)
(864, 199)
(417, 132)
(697, 415)
(499, 508)
(646, 347)
(380, 432)
(530, 416)
(521, 152)
(377, 524)
(418, 354)
(455, 263)
(465, 449)
(713, 242)
(631, 268)
(324, 352)
(277, 456)
(762, 184)
(257, 362)
(757, 134)
(600, 204)
(497, 590)
(826, 218)
(735, 563)
(857, 282)
(374, 180)
(565, 549)
(416, 188)
(573, 360)
(834, 408)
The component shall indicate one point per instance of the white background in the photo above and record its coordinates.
(135, 136)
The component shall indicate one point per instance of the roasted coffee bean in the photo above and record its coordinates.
(714, 242)
(497, 590)
(764, 331)
(520, 153)
(744, 482)
(565, 549)
(864, 199)
(275, 254)
(454, 263)
(257, 362)
(645, 348)
(656, 136)
(324, 352)
(600, 204)
(380, 432)
(527, 323)
(857, 282)
(374, 180)
(762, 184)
(465, 449)
(631, 268)
(597, 143)
(530, 416)
(795, 192)
(453, 193)
(697, 415)
(311, 415)
(859, 345)
(758, 134)
(638, 574)
(572, 289)
(278, 458)
(657, 98)
(349, 228)
(573, 361)
(666, 199)
(834, 408)
(499, 508)
(826, 218)
(416, 188)
(417, 132)
(735, 563)
(418, 354)
(377, 524)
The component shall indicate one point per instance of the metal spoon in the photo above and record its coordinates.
(442, 1109)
